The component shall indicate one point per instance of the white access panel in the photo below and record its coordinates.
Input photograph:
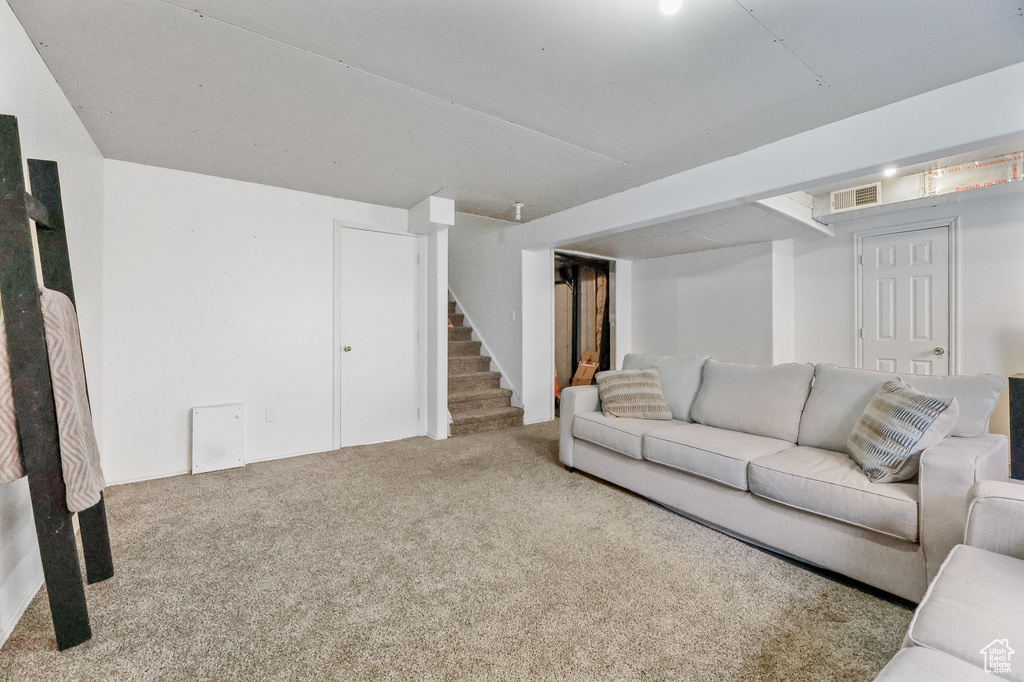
(218, 437)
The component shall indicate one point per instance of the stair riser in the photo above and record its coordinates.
(451, 307)
(458, 366)
(460, 333)
(464, 396)
(472, 383)
(472, 405)
(491, 425)
(463, 349)
(457, 319)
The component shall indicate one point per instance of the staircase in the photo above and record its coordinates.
(475, 397)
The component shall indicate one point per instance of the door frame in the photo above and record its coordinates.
(952, 226)
(421, 323)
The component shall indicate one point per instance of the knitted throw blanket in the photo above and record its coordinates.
(80, 456)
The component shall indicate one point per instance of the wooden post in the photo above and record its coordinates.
(33, 399)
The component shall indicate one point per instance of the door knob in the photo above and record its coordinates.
(940, 350)
(348, 348)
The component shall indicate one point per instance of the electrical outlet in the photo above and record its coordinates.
(271, 414)
(512, 316)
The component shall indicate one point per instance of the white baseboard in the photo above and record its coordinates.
(124, 481)
(288, 455)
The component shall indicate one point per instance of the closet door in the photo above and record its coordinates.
(378, 356)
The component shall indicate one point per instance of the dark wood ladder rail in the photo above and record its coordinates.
(34, 407)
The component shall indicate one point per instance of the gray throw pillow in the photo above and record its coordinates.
(896, 426)
(634, 393)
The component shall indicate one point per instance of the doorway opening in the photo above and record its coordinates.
(583, 317)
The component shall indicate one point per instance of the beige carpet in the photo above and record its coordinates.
(478, 557)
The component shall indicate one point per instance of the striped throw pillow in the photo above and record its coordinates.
(632, 393)
(896, 426)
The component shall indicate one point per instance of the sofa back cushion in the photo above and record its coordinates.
(976, 395)
(764, 400)
(840, 394)
(680, 378)
(838, 398)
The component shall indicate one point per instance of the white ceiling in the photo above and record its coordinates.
(490, 102)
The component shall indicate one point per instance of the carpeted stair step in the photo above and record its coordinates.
(468, 365)
(451, 307)
(486, 420)
(474, 381)
(461, 402)
(460, 333)
(462, 349)
(456, 319)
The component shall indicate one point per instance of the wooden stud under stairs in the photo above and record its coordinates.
(476, 399)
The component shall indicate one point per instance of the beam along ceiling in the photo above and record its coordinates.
(549, 103)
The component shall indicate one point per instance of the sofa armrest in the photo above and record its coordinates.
(947, 472)
(575, 399)
(995, 517)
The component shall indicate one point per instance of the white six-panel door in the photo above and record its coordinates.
(905, 299)
(377, 282)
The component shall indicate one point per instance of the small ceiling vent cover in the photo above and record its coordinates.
(856, 197)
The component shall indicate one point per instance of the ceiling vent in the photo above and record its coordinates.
(856, 197)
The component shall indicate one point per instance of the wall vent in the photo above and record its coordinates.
(856, 197)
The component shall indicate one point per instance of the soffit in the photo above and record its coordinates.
(733, 226)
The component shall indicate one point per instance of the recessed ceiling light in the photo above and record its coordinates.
(670, 7)
(889, 172)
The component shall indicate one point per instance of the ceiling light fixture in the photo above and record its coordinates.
(670, 7)
(889, 172)
(519, 209)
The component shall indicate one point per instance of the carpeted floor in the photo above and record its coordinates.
(475, 558)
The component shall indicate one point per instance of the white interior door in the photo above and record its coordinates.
(905, 298)
(378, 359)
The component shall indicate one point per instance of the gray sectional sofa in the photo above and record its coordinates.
(760, 452)
(973, 613)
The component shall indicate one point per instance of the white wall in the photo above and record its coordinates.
(783, 303)
(538, 336)
(218, 291)
(716, 303)
(991, 288)
(485, 276)
(50, 130)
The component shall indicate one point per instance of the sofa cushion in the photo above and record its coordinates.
(621, 434)
(837, 399)
(632, 393)
(765, 400)
(717, 454)
(973, 603)
(896, 426)
(680, 378)
(917, 664)
(976, 395)
(830, 484)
